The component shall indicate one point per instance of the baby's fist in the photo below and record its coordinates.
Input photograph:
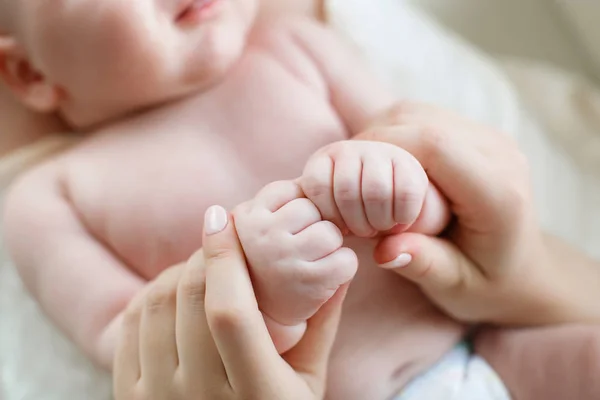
(296, 259)
(366, 187)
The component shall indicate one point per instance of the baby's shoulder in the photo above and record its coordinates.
(290, 40)
(295, 31)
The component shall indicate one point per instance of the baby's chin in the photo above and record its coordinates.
(214, 58)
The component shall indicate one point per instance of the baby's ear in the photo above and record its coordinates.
(23, 80)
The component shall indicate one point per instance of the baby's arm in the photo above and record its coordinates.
(354, 91)
(360, 99)
(77, 281)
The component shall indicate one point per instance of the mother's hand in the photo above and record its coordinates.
(197, 333)
(493, 266)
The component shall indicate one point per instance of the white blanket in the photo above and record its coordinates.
(418, 60)
(421, 60)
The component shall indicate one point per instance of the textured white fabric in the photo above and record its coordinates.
(420, 60)
(460, 375)
(564, 149)
(36, 361)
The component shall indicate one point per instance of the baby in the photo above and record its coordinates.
(245, 99)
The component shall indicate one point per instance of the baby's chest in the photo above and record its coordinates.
(144, 191)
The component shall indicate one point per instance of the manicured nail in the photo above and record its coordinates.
(399, 262)
(215, 220)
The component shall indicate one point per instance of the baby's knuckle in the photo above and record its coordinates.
(315, 186)
(348, 263)
(346, 150)
(283, 186)
(242, 210)
(311, 275)
(377, 133)
(343, 266)
(327, 244)
(332, 238)
(376, 191)
(342, 148)
(409, 199)
(410, 195)
(274, 250)
(345, 192)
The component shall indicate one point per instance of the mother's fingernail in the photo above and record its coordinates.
(399, 262)
(215, 220)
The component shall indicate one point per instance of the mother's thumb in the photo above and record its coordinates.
(430, 262)
(220, 238)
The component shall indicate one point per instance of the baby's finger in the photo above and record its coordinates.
(334, 270)
(435, 215)
(317, 185)
(297, 215)
(347, 178)
(378, 191)
(277, 194)
(410, 188)
(158, 348)
(317, 241)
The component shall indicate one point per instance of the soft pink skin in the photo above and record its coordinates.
(380, 304)
(160, 66)
(127, 203)
(128, 54)
(296, 254)
(296, 259)
(368, 188)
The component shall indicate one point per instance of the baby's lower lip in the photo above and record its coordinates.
(199, 11)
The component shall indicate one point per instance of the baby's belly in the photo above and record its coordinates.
(389, 334)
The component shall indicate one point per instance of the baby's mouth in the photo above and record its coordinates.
(193, 11)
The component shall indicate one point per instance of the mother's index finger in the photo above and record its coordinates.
(232, 311)
(197, 352)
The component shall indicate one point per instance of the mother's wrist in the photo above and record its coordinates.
(571, 283)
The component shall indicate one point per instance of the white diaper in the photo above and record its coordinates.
(460, 375)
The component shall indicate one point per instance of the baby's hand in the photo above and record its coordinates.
(296, 259)
(371, 187)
